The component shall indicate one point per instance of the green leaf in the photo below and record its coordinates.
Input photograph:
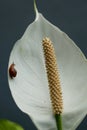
(9, 125)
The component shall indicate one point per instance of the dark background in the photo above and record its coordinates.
(15, 15)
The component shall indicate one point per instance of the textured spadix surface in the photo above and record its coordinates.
(30, 87)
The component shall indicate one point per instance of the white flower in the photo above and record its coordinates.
(30, 86)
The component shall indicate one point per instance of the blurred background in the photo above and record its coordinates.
(15, 15)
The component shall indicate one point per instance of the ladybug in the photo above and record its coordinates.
(12, 71)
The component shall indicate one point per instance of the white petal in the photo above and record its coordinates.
(30, 87)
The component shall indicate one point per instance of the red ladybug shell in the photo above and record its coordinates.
(12, 71)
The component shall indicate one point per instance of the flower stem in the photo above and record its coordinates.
(58, 121)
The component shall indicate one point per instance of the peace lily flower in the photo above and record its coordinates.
(29, 84)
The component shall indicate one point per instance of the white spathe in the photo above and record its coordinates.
(30, 87)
